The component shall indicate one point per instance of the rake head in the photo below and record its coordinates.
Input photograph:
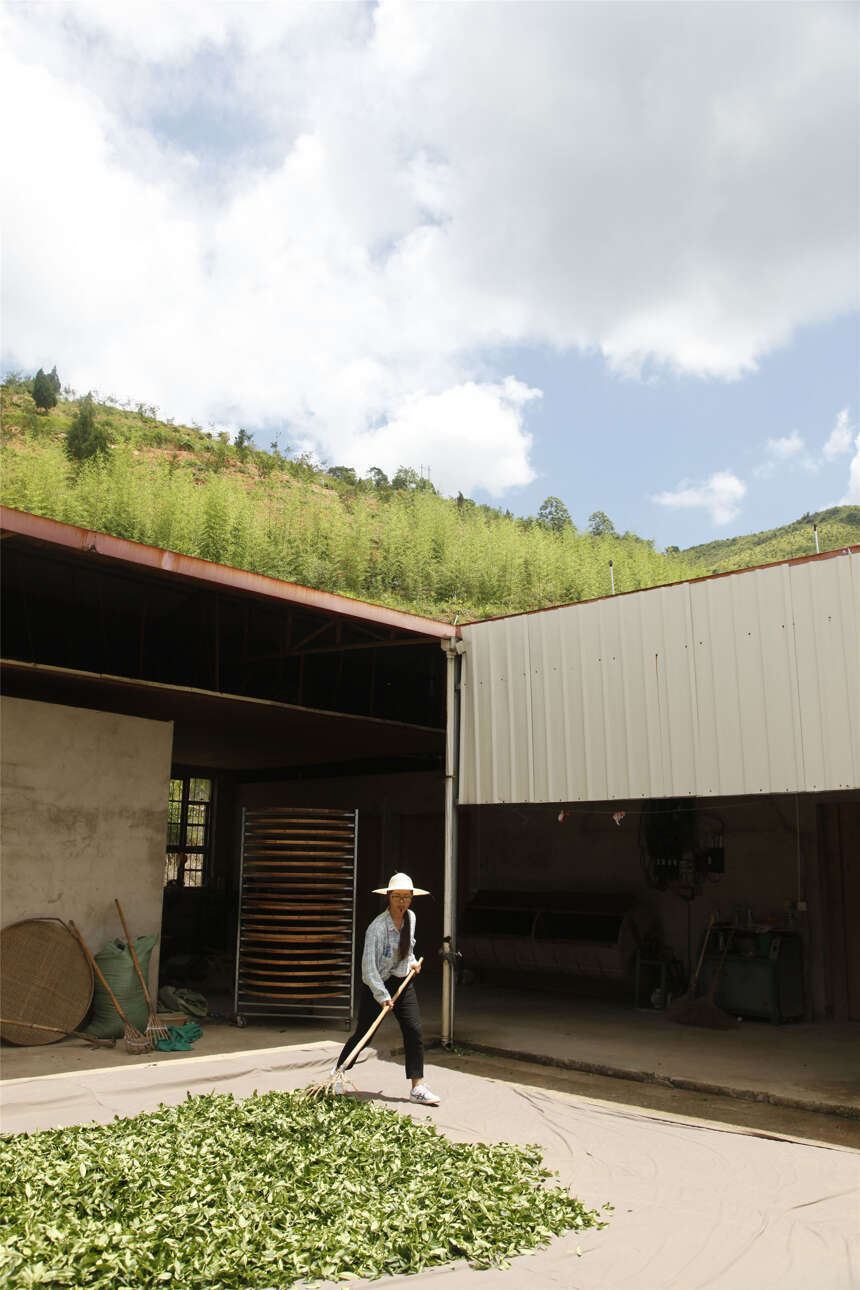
(155, 1031)
(135, 1042)
(333, 1085)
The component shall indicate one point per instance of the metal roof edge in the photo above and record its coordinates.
(853, 549)
(43, 529)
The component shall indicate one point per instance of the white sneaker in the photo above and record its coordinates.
(422, 1094)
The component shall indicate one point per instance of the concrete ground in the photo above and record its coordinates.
(762, 1119)
(808, 1065)
(800, 1079)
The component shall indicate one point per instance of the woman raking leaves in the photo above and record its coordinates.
(387, 959)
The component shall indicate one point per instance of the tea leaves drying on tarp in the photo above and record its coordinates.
(267, 1191)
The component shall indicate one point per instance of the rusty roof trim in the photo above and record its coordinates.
(42, 529)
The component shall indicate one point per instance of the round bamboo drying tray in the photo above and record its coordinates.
(46, 979)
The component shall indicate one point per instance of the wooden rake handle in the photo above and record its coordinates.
(368, 1034)
(691, 989)
(86, 949)
(716, 977)
(58, 1030)
(133, 955)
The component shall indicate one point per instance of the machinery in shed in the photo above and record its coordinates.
(591, 934)
(760, 971)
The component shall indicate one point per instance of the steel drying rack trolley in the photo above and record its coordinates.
(296, 934)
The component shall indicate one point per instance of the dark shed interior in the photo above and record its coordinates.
(277, 694)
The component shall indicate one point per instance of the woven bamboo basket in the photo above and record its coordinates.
(46, 979)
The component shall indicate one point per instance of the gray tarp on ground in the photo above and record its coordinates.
(696, 1206)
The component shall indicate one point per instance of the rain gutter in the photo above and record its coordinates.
(448, 953)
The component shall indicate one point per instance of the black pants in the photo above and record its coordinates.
(408, 1014)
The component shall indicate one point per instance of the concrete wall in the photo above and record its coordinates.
(84, 817)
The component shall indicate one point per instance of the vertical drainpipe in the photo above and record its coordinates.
(449, 898)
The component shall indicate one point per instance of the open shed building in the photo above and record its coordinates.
(634, 766)
(152, 703)
(604, 781)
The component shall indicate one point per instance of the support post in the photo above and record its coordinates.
(449, 900)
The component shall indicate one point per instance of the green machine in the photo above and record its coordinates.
(763, 971)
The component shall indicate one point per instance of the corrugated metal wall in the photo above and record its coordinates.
(748, 683)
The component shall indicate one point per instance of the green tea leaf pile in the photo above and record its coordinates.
(264, 1192)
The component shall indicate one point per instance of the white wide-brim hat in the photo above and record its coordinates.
(400, 882)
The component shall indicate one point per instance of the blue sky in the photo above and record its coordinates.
(607, 252)
(603, 443)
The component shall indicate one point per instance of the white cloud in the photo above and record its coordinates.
(853, 494)
(92, 254)
(375, 198)
(790, 452)
(786, 450)
(839, 443)
(721, 496)
(788, 446)
(470, 437)
(843, 439)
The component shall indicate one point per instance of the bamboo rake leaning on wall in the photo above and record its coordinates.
(135, 1042)
(154, 1029)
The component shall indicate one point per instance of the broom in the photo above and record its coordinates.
(328, 1086)
(135, 1042)
(154, 1029)
(704, 1011)
(93, 1040)
(677, 1010)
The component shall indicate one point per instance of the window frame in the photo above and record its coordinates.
(177, 869)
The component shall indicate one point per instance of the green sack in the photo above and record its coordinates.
(118, 970)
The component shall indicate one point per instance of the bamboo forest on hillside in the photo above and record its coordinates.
(123, 471)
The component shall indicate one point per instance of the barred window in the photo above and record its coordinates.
(188, 831)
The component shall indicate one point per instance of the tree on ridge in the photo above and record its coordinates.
(553, 514)
(44, 391)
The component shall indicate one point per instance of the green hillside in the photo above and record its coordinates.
(839, 526)
(396, 542)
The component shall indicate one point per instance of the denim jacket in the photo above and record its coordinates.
(381, 950)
